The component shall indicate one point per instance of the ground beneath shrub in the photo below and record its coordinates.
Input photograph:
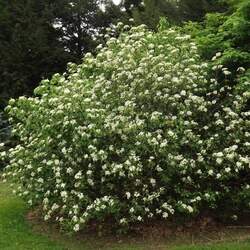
(20, 229)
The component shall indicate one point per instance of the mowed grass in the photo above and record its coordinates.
(224, 246)
(17, 234)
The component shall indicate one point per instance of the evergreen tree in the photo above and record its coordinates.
(30, 48)
(79, 22)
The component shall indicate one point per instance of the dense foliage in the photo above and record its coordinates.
(228, 33)
(136, 133)
(4, 133)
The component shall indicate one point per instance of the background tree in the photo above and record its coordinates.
(149, 12)
(30, 48)
(79, 23)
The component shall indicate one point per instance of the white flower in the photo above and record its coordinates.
(64, 194)
(64, 151)
(3, 154)
(207, 195)
(139, 218)
(190, 209)
(89, 172)
(218, 176)
(40, 180)
(46, 217)
(165, 215)
(158, 168)
(183, 92)
(61, 219)
(128, 195)
(78, 175)
(210, 172)
(76, 227)
(219, 154)
(199, 171)
(123, 221)
(152, 181)
(241, 69)
(90, 182)
(171, 133)
(74, 218)
(218, 54)
(198, 198)
(57, 162)
(69, 170)
(219, 160)
(226, 72)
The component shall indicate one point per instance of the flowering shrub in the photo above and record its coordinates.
(4, 134)
(137, 132)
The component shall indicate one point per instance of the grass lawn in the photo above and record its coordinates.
(225, 246)
(17, 234)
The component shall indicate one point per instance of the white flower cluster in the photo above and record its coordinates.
(136, 133)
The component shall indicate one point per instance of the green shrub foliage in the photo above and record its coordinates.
(228, 33)
(137, 133)
(4, 134)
